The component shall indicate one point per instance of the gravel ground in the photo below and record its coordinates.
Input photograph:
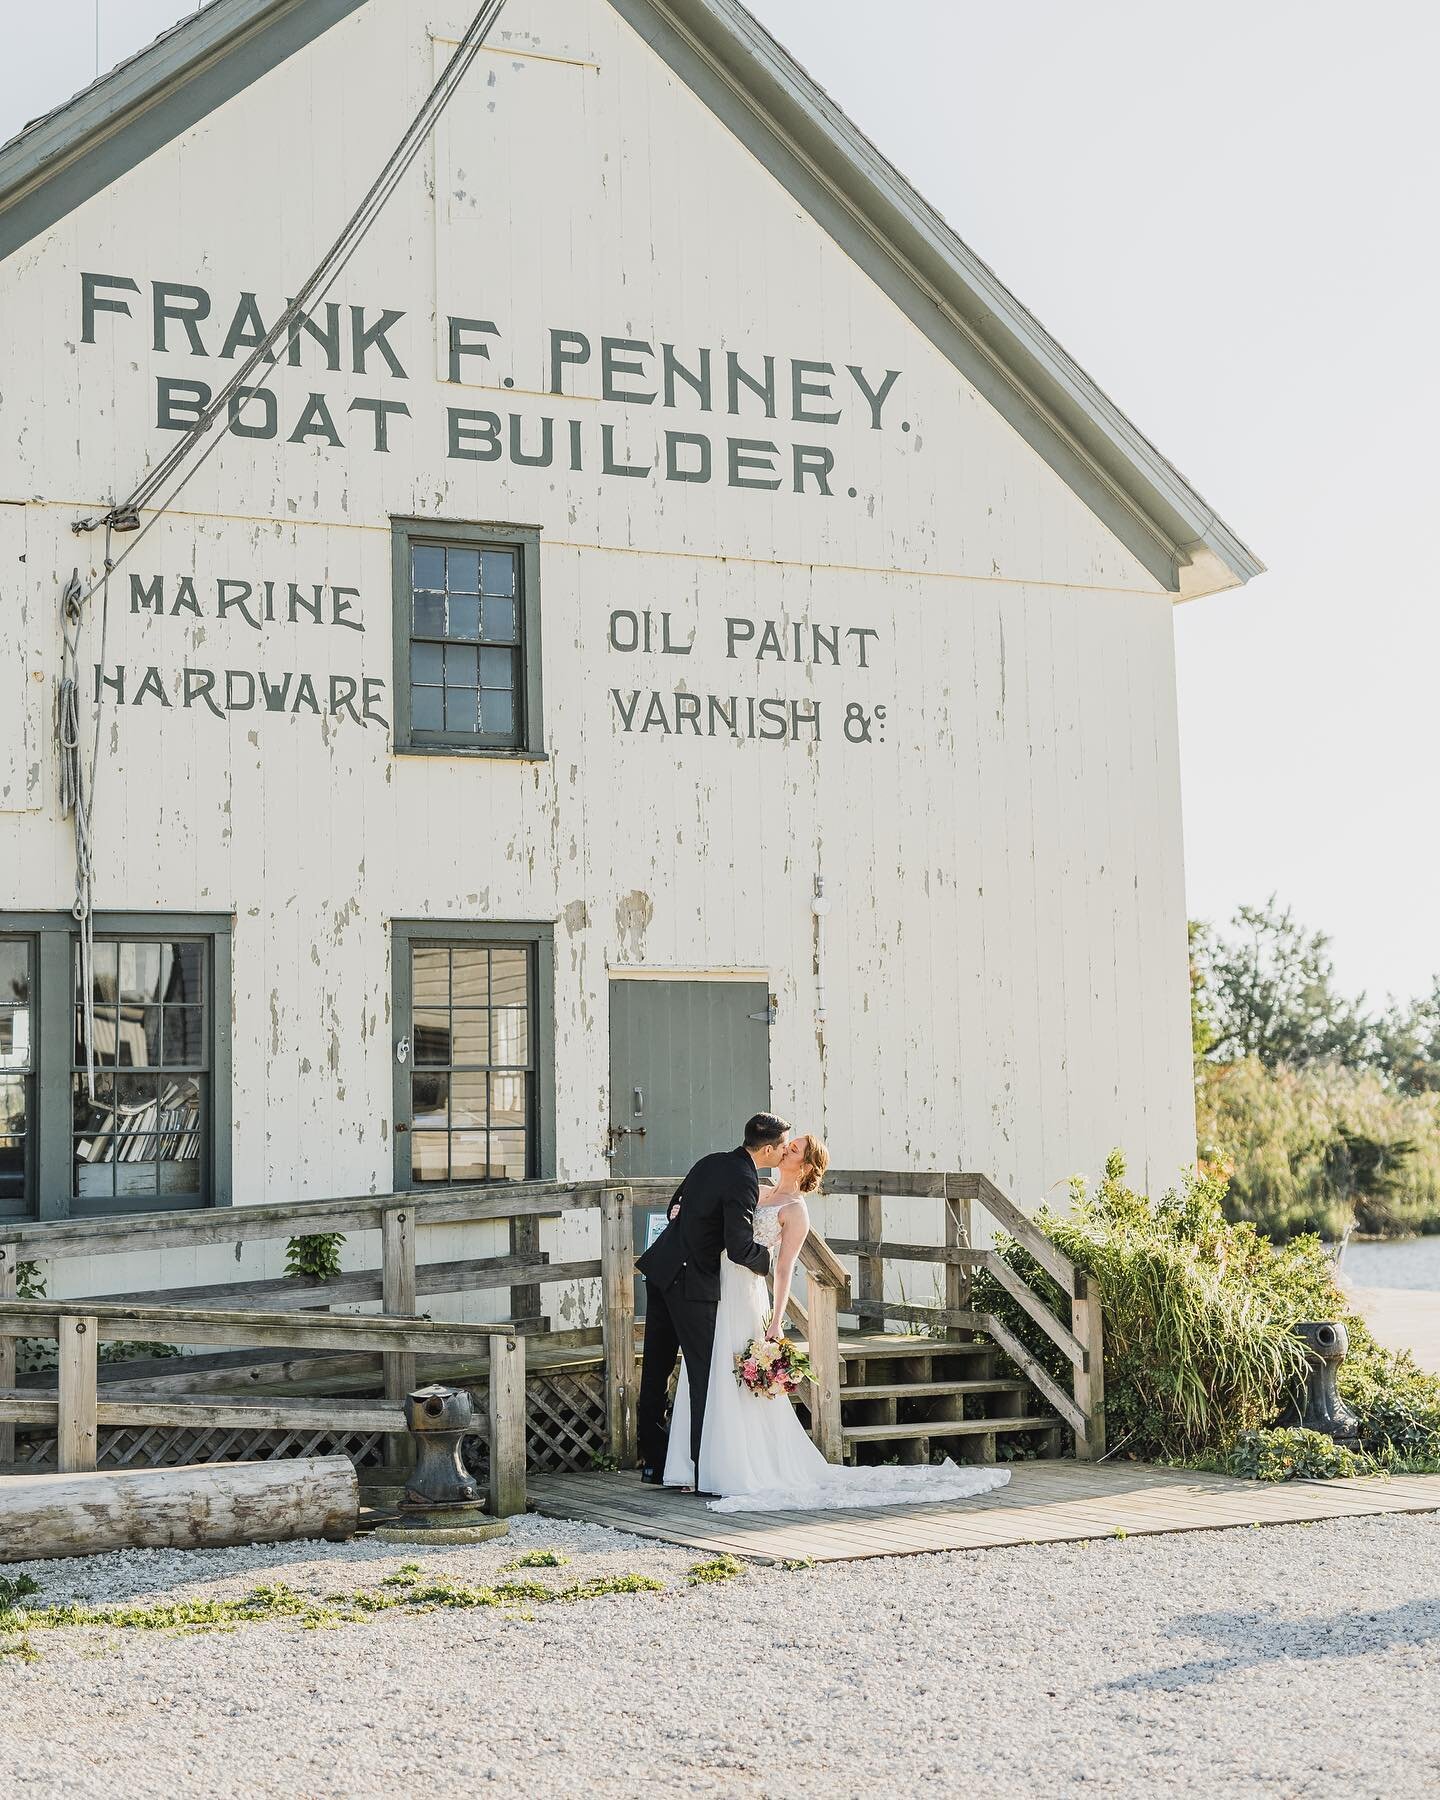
(1296, 1660)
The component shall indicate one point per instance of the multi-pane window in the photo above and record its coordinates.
(466, 640)
(142, 1134)
(473, 1070)
(17, 1072)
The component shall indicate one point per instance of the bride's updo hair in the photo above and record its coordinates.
(816, 1162)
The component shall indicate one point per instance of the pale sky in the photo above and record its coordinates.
(1224, 209)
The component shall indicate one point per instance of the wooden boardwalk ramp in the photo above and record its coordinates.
(1046, 1501)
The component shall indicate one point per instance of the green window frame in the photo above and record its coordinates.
(452, 1046)
(472, 615)
(156, 1135)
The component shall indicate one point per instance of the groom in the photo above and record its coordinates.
(713, 1211)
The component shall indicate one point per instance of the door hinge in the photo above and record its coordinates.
(768, 1016)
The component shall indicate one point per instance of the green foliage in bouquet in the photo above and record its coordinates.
(1198, 1318)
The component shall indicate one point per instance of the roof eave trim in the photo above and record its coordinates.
(75, 152)
(1019, 352)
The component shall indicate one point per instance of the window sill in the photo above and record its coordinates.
(471, 750)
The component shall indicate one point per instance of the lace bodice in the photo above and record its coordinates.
(767, 1225)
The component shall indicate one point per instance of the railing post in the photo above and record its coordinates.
(507, 1425)
(824, 1345)
(617, 1301)
(78, 1433)
(525, 1300)
(397, 1288)
(870, 1279)
(1085, 1322)
(9, 1272)
(959, 1235)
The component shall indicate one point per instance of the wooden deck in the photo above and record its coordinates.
(1045, 1502)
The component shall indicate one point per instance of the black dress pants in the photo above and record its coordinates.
(674, 1321)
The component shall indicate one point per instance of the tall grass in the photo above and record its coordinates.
(1198, 1322)
(1320, 1148)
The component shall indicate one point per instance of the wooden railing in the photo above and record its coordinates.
(1082, 1340)
(249, 1318)
(255, 1317)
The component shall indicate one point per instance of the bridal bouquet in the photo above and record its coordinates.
(770, 1369)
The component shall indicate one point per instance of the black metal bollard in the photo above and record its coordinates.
(438, 1418)
(1321, 1408)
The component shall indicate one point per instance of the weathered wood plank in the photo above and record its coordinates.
(957, 1256)
(204, 1506)
(1025, 1296)
(192, 1325)
(9, 1272)
(946, 1428)
(397, 1274)
(617, 1299)
(507, 1426)
(1090, 1375)
(291, 1293)
(77, 1437)
(824, 1348)
(960, 1258)
(820, 1263)
(1035, 1371)
(920, 1315)
(241, 1411)
(870, 1267)
(300, 1218)
(1024, 1230)
(886, 1181)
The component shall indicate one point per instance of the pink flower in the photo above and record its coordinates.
(750, 1370)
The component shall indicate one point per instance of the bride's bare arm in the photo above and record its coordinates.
(794, 1228)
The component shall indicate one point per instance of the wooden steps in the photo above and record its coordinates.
(925, 1397)
(862, 1434)
(916, 1390)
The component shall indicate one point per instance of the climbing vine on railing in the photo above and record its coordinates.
(316, 1257)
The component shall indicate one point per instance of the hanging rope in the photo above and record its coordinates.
(77, 783)
(259, 367)
(77, 787)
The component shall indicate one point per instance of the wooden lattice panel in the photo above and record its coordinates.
(564, 1415)
(166, 1446)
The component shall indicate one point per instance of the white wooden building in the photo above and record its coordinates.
(665, 523)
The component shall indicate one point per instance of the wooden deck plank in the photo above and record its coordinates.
(1044, 1502)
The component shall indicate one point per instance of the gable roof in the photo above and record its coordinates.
(793, 127)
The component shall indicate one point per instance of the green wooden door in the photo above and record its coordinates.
(689, 1063)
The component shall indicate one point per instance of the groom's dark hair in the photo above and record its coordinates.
(764, 1130)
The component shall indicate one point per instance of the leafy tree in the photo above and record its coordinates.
(1269, 992)
(1408, 1046)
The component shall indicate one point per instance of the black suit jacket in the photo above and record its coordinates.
(717, 1216)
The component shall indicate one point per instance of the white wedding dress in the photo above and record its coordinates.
(755, 1454)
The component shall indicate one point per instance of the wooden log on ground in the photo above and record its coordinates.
(196, 1507)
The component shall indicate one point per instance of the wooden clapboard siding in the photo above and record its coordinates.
(1005, 950)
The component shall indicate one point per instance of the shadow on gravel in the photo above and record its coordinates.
(1252, 1639)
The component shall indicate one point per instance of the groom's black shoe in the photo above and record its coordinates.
(652, 1477)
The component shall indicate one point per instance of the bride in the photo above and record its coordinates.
(754, 1452)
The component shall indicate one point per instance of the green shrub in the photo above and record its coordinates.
(316, 1257)
(1320, 1148)
(1198, 1318)
(1290, 1454)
